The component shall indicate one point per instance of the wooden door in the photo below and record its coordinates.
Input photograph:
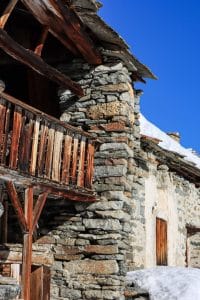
(161, 242)
(40, 283)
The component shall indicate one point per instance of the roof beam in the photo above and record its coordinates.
(79, 36)
(29, 58)
(64, 23)
(7, 12)
(42, 40)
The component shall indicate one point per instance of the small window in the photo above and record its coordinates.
(161, 242)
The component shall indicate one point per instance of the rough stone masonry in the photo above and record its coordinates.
(91, 243)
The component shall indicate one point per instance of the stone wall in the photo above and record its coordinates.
(94, 240)
(9, 289)
(86, 246)
(172, 198)
(194, 251)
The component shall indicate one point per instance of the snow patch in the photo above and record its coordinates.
(149, 129)
(168, 283)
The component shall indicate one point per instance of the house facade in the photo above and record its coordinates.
(169, 191)
(86, 194)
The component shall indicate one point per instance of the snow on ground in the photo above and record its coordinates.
(168, 283)
(149, 129)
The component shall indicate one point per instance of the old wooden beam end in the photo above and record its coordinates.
(7, 12)
(33, 61)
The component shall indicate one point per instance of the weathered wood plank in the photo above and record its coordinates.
(16, 205)
(46, 283)
(33, 61)
(74, 160)
(17, 124)
(36, 291)
(66, 159)
(42, 149)
(40, 46)
(42, 185)
(49, 153)
(90, 165)
(45, 117)
(27, 245)
(57, 152)
(2, 122)
(6, 135)
(25, 145)
(81, 164)
(161, 242)
(38, 209)
(35, 141)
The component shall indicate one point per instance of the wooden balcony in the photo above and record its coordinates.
(39, 150)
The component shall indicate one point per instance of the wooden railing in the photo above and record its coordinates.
(39, 145)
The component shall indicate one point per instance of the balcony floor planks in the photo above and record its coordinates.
(43, 185)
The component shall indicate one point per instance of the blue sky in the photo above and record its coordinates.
(165, 35)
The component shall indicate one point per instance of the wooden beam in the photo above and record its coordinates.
(75, 31)
(38, 209)
(16, 132)
(33, 61)
(17, 205)
(7, 12)
(40, 185)
(64, 24)
(40, 46)
(27, 245)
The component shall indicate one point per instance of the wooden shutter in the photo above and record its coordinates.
(161, 242)
(40, 283)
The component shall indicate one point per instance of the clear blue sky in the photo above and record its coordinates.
(165, 35)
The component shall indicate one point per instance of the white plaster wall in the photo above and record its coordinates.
(160, 202)
(176, 201)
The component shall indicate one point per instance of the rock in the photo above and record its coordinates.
(92, 237)
(9, 288)
(116, 146)
(98, 249)
(108, 225)
(105, 205)
(72, 294)
(107, 171)
(114, 88)
(105, 294)
(102, 68)
(104, 110)
(120, 215)
(115, 127)
(105, 267)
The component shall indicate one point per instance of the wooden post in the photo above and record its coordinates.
(40, 46)
(27, 245)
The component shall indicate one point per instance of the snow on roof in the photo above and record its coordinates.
(167, 283)
(149, 129)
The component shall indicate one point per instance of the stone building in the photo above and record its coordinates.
(77, 241)
(167, 217)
